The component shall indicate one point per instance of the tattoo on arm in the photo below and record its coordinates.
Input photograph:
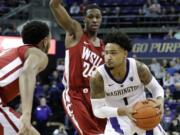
(144, 73)
(97, 86)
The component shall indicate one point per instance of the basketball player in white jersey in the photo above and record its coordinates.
(118, 84)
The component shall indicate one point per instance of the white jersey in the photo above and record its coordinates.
(126, 92)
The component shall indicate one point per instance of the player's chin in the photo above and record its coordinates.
(94, 29)
(110, 66)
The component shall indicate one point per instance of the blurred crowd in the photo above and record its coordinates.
(8, 5)
(167, 72)
(163, 14)
(48, 114)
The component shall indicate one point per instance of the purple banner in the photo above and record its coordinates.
(148, 48)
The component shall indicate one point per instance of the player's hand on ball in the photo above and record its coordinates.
(159, 104)
(128, 111)
(148, 114)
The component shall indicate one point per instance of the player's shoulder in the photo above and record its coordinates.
(37, 53)
(96, 75)
(35, 50)
(141, 66)
(143, 72)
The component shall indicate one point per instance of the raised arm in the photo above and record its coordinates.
(64, 20)
(35, 62)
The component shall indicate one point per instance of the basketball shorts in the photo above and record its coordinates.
(78, 107)
(124, 126)
(9, 121)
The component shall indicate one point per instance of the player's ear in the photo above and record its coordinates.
(125, 54)
(45, 41)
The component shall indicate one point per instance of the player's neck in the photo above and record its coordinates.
(93, 38)
(91, 34)
(119, 72)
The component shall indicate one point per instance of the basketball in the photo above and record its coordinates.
(147, 116)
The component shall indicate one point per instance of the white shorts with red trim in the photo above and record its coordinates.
(9, 121)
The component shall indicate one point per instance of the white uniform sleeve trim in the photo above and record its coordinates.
(101, 110)
(155, 88)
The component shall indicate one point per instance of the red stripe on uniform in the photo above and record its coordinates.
(9, 120)
(1, 130)
(65, 103)
(10, 72)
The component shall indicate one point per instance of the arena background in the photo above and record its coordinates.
(153, 25)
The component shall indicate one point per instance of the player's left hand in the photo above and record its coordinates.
(159, 104)
(25, 125)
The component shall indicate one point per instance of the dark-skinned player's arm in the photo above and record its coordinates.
(151, 84)
(35, 62)
(100, 109)
(64, 20)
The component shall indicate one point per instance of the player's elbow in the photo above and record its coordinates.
(28, 72)
(98, 113)
(97, 107)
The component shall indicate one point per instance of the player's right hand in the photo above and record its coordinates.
(128, 111)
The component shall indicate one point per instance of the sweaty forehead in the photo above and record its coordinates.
(93, 11)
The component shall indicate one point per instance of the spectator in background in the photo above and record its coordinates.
(39, 92)
(155, 8)
(171, 70)
(177, 64)
(168, 95)
(116, 11)
(175, 127)
(165, 63)
(157, 69)
(54, 76)
(145, 10)
(74, 9)
(60, 67)
(151, 8)
(11, 30)
(168, 82)
(42, 114)
(177, 34)
(83, 6)
(106, 11)
(177, 81)
(167, 118)
(61, 130)
(55, 95)
(169, 35)
(155, 66)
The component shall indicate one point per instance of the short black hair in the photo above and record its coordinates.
(34, 31)
(117, 37)
(91, 6)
